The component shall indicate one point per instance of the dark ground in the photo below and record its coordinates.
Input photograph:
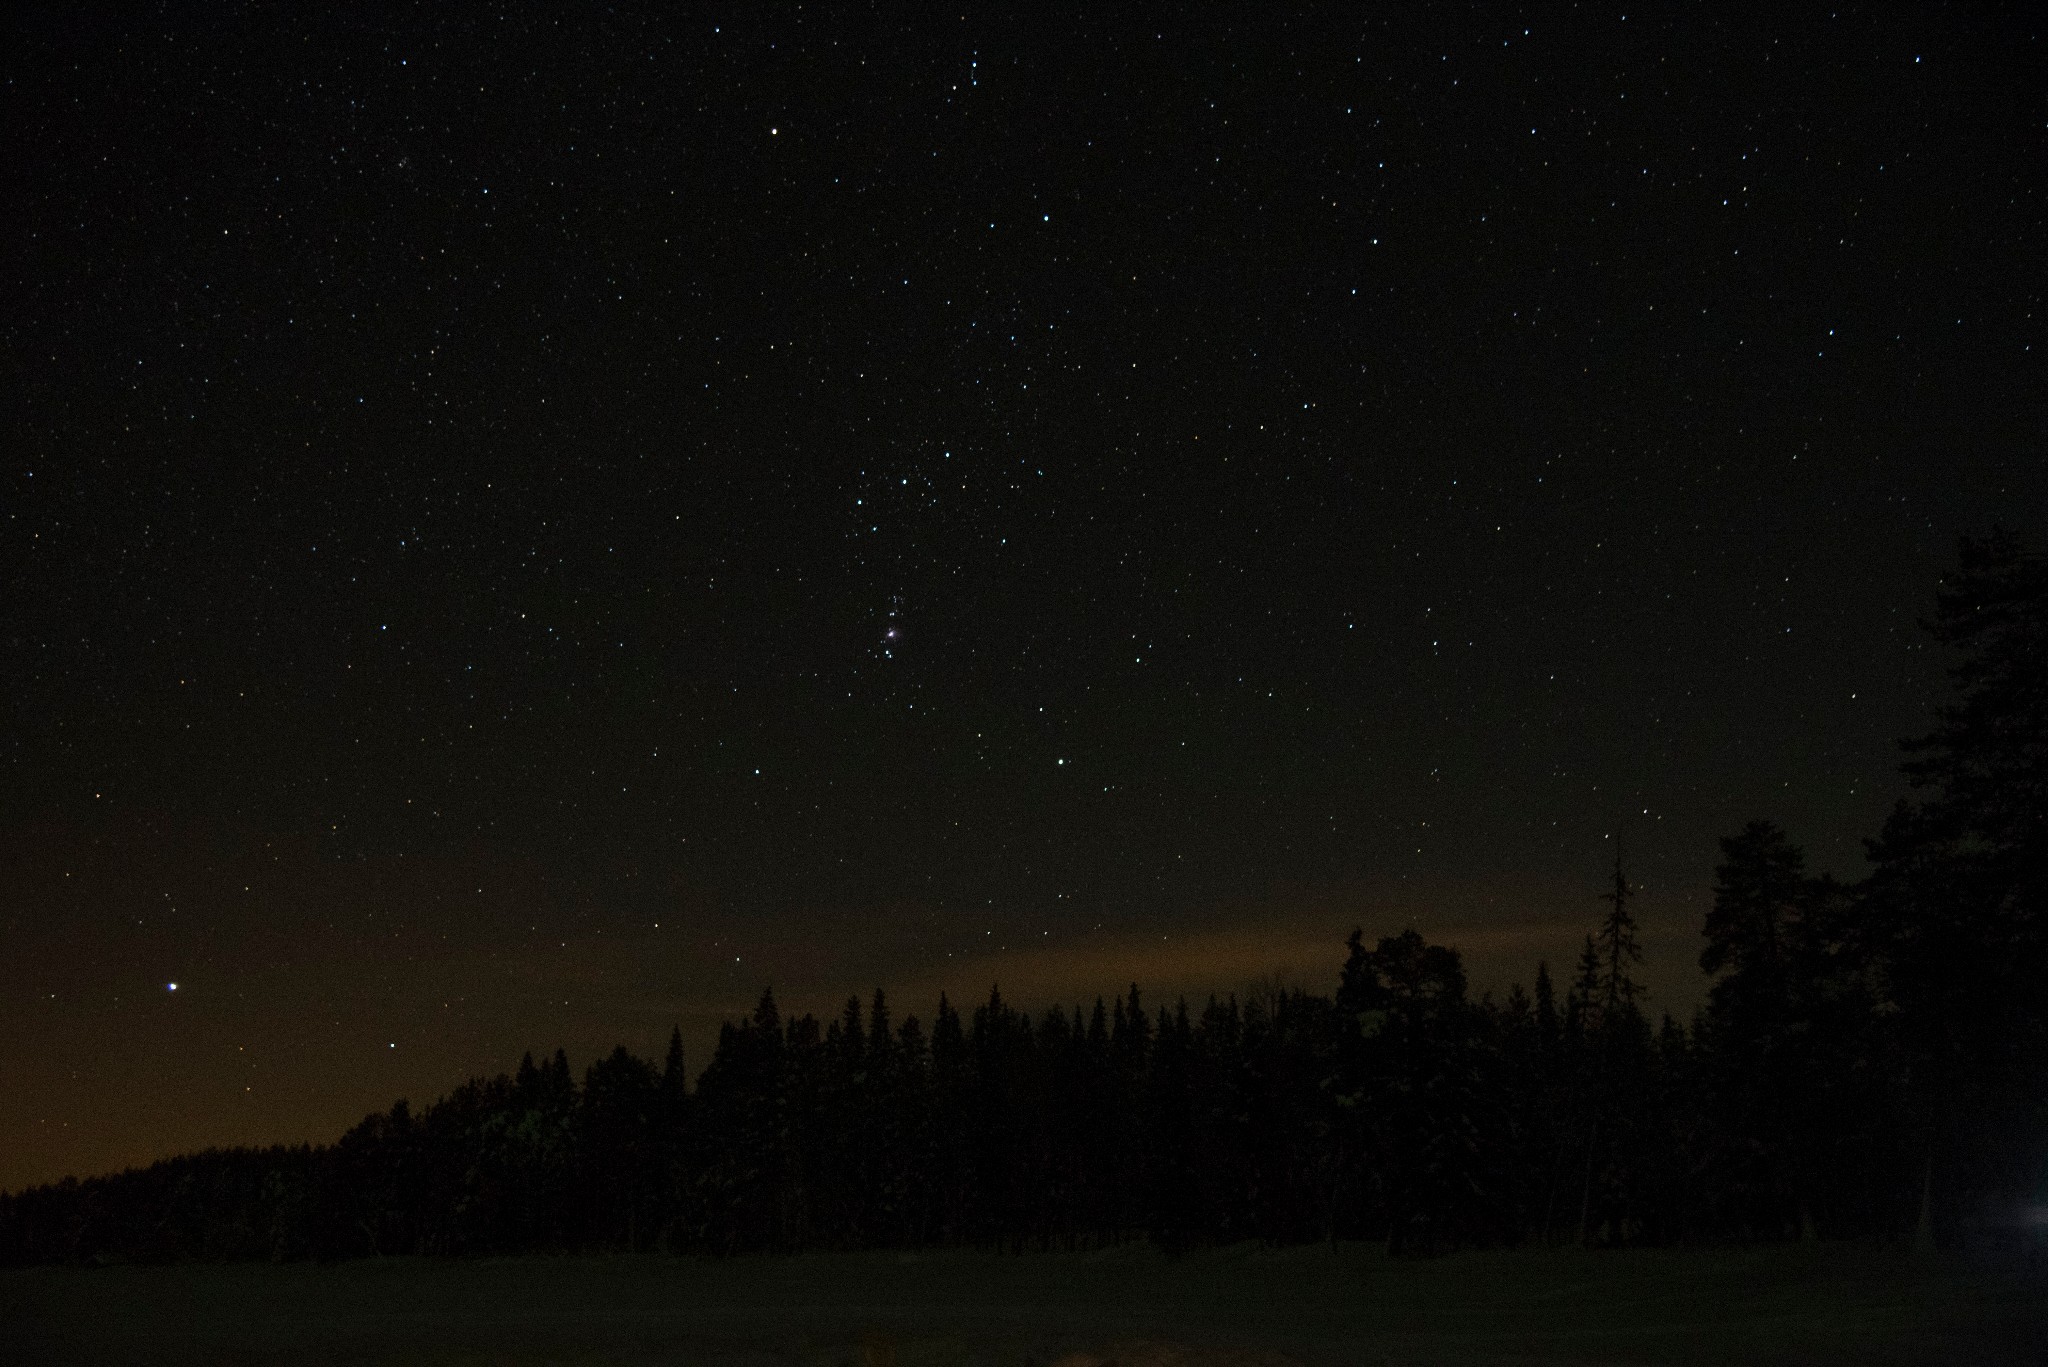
(1239, 1306)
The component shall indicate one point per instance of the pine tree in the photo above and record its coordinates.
(1959, 899)
(1412, 1088)
(1173, 1215)
(673, 1126)
(879, 1134)
(1760, 1038)
(616, 1147)
(1619, 951)
(880, 1041)
(1548, 1026)
(1582, 1004)
(1096, 1137)
(952, 1170)
(674, 1081)
(1129, 1049)
(1761, 882)
(1614, 1067)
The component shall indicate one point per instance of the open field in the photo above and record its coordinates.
(1813, 1304)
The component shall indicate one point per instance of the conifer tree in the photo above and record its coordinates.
(1619, 950)
(675, 1083)
(1759, 1035)
(674, 1125)
(1583, 1003)
(1548, 1026)
(1958, 904)
(952, 1172)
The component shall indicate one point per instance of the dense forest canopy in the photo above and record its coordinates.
(1872, 1062)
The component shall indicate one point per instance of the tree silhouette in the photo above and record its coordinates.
(1871, 1059)
(1958, 903)
(618, 1145)
(1619, 951)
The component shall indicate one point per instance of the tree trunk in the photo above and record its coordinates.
(1923, 1228)
(1586, 1189)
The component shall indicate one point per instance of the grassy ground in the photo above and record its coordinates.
(1240, 1307)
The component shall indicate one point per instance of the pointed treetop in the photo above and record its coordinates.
(879, 1038)
(672, 1075)
(1619, 950)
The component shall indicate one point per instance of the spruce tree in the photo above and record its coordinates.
(673, 1121)
(1958, 904)
(1762, 1078)
(1619, 951)
(1548, 1026)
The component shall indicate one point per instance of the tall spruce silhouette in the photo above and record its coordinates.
(1619, 950)
(1958, 904)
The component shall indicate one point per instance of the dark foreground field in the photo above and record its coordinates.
(1814, 1304)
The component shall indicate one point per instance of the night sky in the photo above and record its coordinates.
(521, 529)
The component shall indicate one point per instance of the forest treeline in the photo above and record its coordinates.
(1871, 1062)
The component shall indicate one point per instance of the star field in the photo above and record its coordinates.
(520, 529)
